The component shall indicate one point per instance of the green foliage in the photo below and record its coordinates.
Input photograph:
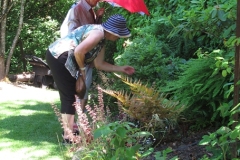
(203, 21)
(220, 139)
(117, 140)
(39, 35)
(35, 37)
(41, 23)
(162, 155)
(123, 140)
(200, 86)
(151, 65)
(219, 142)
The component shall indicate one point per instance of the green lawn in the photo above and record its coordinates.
(29, 129)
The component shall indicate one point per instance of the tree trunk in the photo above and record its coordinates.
(2, 38)
(16, 37)
(236, 79)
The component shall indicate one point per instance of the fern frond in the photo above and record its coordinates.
(137, 87)
(128, 81)
(144, 103)
(120, 95)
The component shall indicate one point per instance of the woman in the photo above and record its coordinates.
(79, 48)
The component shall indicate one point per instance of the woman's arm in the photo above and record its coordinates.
(86, 45)
(100, 64)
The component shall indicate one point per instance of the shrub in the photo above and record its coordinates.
(151, 65)
(202, 87)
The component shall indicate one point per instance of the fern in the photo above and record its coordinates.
(196, 82)
(200, 86)
(145, 103)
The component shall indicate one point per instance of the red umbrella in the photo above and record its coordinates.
(131, 5)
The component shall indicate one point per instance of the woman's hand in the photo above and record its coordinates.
(128, 70)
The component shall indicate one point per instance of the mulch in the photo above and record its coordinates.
(184, 147)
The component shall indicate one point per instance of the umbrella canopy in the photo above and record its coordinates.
(131, 5)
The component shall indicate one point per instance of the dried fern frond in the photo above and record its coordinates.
(122, 97)
(143, 102)
(137, 87)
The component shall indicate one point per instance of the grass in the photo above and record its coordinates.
(29, 129)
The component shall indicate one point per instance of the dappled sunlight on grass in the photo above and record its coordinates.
(24, 107)
(6, 144)
(6, 113)
(29, 128)
(28, 151)
(32, 135)
(27, 112)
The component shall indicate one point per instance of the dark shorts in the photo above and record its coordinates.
(64, 81)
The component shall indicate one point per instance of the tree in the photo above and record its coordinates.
(236, 79)
(6, 6)
(40, 27)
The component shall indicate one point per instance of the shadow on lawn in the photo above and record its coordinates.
(34, 123)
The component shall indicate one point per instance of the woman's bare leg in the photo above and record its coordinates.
(68, 121)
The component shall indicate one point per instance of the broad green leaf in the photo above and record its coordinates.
(221, 15)
(166, 151)
(235, 134)
(214, 142)
(219, 58)
(229, 70)
(223, 130)
(175, 158)
(205, 141)
(214, 13)
(121, 131)
(115, 142)
(224, 73)
(237, 127)
(218, 63)
(141, 134)
(103, 131)
(148, 152)
(218, 51)
(225, 64)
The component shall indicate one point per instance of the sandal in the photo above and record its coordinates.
(75, 133)
(66, 141)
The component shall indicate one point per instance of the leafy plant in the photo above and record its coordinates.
(151, 56)
(122, 140)
(201, 85)
(162, 155)
(202, 21)
(219, 142)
